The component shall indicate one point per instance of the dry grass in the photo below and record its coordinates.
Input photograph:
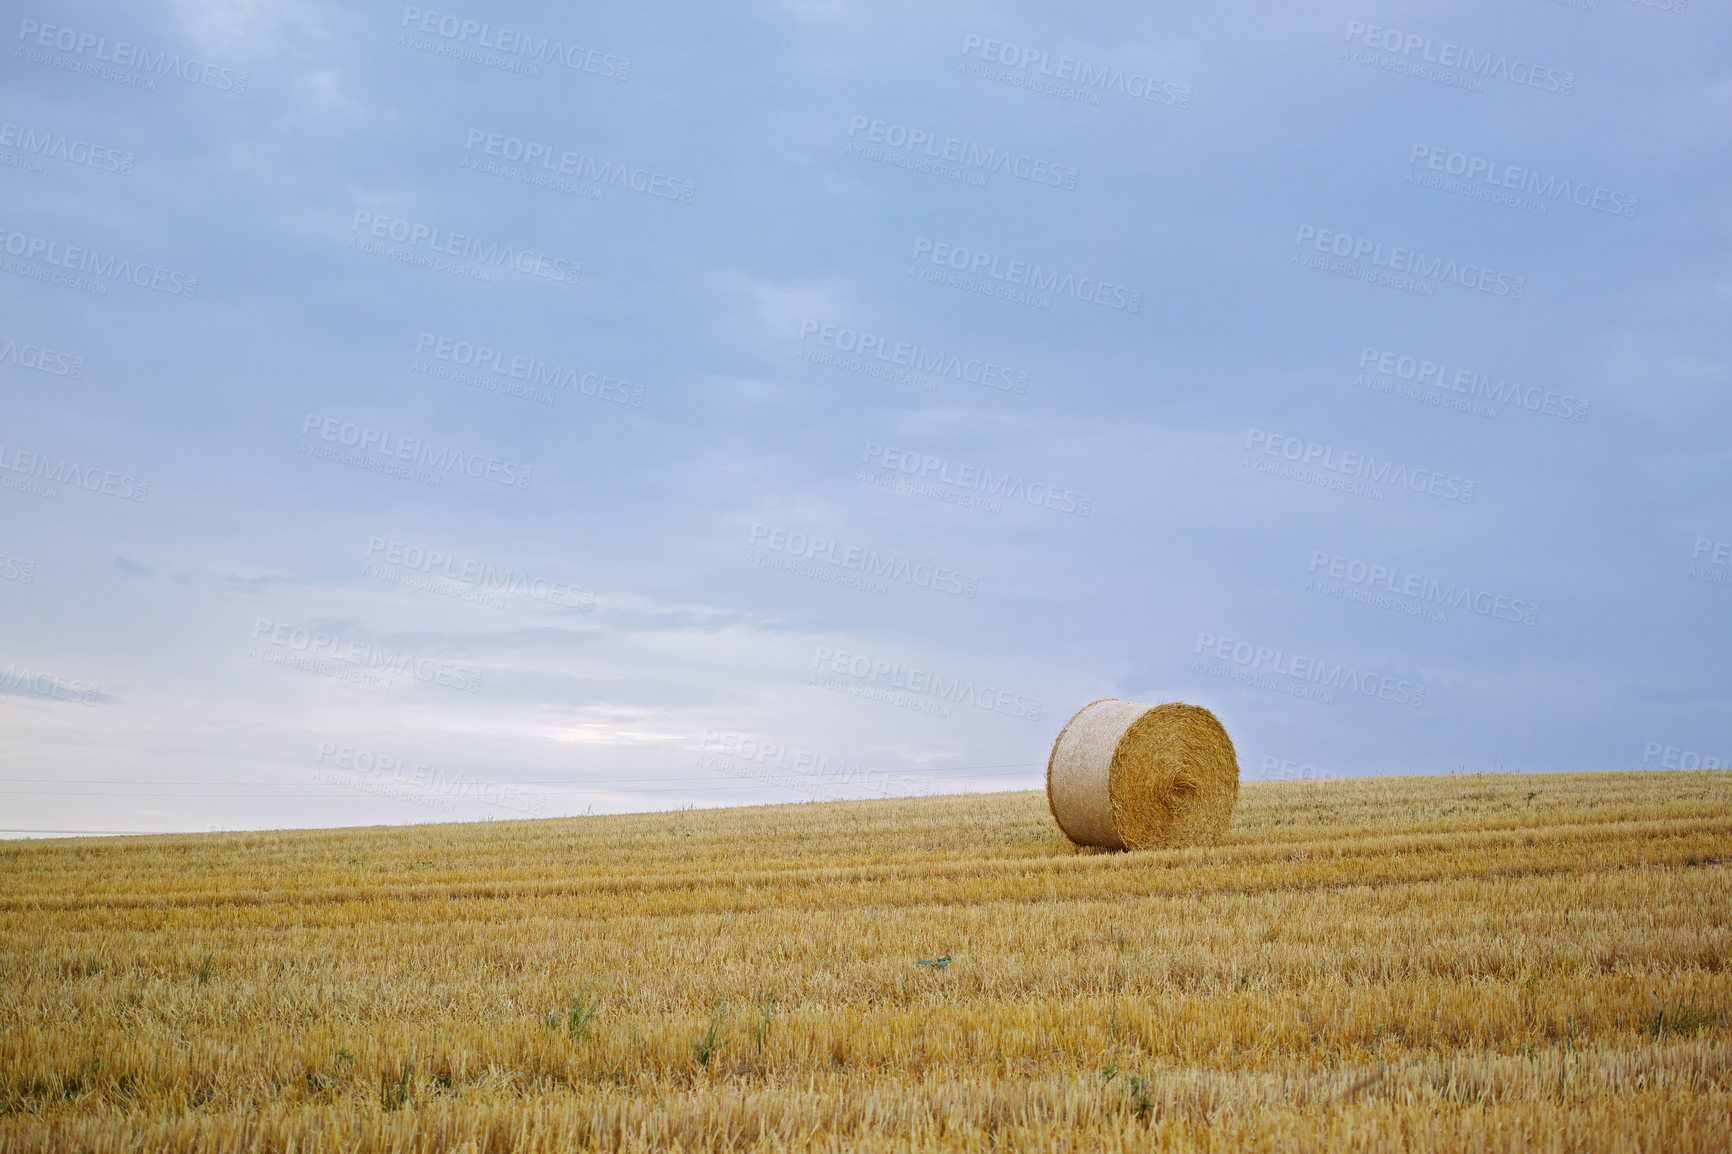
(1498, 962)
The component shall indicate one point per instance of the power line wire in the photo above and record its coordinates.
(618, 783)
(493, 781)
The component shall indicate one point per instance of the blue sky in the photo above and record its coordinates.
(418, 413)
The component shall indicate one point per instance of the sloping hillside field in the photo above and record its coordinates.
(1472, 962)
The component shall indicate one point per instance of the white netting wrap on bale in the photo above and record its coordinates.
(1128, 775)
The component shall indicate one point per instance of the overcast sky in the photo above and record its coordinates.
(418, 414)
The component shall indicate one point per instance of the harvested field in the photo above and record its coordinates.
(1509, 962)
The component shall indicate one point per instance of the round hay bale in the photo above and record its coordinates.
(1128, 775)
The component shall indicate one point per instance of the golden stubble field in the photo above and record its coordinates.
(1532, 962)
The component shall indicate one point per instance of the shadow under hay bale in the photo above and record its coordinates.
(1129, 775)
